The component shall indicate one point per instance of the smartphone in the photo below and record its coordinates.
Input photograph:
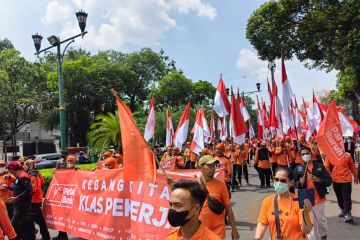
(306, 194)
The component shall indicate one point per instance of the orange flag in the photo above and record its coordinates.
(139, 160)
(330, 138)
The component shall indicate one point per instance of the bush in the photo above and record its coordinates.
(49, 173)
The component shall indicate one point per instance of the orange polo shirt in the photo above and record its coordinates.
(342, 172)
(5, 224)
(37, 183)
(216, 223)
(264, 164)
(310, 184)
(290, 217)
(282, 156)
(274, 157)
(203, 233)
(297, 157)
(6, 193)
(225, 163)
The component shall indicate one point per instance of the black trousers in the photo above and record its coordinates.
(234, 182)
(243, 169)
(20, 222)
(37, 217)
(10, 210)
(264, 175)
(274, 165)
(343, 195)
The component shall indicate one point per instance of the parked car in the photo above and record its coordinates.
(46, 160)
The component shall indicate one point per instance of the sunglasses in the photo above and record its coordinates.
(280, 180)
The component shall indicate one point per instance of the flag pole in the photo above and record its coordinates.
(114, 93)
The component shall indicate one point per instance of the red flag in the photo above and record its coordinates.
(139, 160)
(330, 138)
(273, 121)
(221, 102)
(149, 130)
(260, 121)
(239, 126)
(181, 133)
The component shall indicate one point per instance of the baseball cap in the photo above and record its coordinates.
(207, 159)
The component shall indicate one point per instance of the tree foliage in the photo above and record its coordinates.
(325, 34)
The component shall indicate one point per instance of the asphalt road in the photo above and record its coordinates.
(246, 206)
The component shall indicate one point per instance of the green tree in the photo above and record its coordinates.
(21, 92)
(324, 32)
(5, 44)
(203, 91)
(174, 90)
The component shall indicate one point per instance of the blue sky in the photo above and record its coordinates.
(204, 37)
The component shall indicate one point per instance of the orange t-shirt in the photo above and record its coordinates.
(290, 217)
(342, 172)
(236, 157)
(282, 156)
(203, 233)
(264, 164)
(225, 163)
(216, 223)
(5, 224)
(310, 184)
(5, 194)
(297, 158)
(37, 182)
(274, 157)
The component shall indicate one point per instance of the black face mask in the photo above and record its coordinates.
(178, 219)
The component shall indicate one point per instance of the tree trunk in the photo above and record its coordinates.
(355, 100)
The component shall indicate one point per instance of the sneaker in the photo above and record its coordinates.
(348, 218)
(341, 214)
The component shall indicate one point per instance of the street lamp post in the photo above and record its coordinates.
(55, 42)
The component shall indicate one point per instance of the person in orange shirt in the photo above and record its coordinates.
(294, 222)
(180, 162)
(273, 157)
(167, 154)
(224, 163)
(110, 163)
(186, 201)
(5, 194)
(228, 151)
(5, 224)
(314, 175)
(119, 159)
(341, 177)
(218, 190)
(236, 160)
(283, 154)
(289, 148)
(100, 164)
(36, 215)
(243, 168)
(262, 165)
(191, 163)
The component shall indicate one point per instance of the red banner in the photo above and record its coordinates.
(100, 205)
(168, 164)
(330, 138)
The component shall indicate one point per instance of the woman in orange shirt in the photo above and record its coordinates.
(37, 182)
(262, 164)
(5, 224)
(292, 222)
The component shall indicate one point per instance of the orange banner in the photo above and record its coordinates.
(100, 205)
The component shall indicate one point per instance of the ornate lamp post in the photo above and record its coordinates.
(56, 42)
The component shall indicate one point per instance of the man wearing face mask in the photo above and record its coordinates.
(186, 201)
(314, 175)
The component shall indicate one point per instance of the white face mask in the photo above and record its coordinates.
(70, 165)
(306, 157)
(2, 170)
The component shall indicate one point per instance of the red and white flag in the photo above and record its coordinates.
(260, 121)
(330, 137)
(317, 113)
(239, 128)
(212, 128)
(198, 143)
(181, 133)
(207, 133)
(346, 126)
(251, 132)
(243, 109)
(169, 129)
(221, 102)
(223, 130)
(297, 117)
(310, 121)
(287, 93)
(151, 122)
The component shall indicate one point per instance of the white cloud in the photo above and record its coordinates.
(111, 23)
(56, 12)
(202, 9)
